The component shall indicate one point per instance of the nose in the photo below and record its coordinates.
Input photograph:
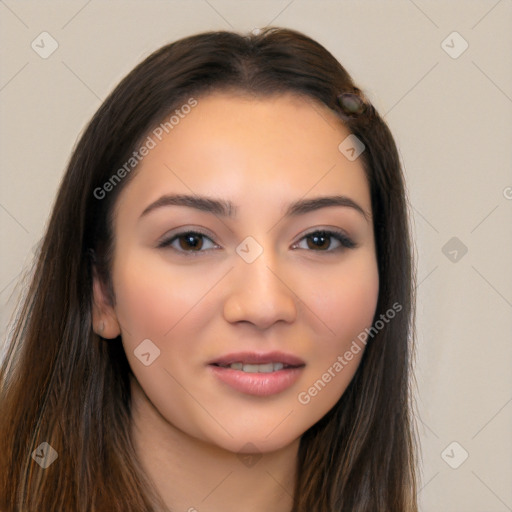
(259, 294)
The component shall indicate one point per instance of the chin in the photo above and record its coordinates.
(254, 440)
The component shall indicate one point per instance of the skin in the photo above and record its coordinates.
(261, 154)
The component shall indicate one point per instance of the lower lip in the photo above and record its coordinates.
(258, 384)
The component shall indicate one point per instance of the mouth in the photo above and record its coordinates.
(253, 361)
(258, 374)
(256, 368)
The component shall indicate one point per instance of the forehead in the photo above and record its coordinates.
(251, 148)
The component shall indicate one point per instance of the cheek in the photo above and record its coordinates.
(345, 301)
(151, 299)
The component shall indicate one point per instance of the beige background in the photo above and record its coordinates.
(451, 118)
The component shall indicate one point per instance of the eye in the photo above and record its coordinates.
(187, 241)
(321, 241)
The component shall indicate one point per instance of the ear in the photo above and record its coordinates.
(105, 322)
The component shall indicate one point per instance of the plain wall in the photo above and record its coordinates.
(451, 118)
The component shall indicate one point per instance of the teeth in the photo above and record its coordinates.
(257, 368)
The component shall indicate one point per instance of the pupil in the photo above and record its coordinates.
(317, 238)
(189, 241)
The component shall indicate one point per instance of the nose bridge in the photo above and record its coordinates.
(258, 293)
(257, 273)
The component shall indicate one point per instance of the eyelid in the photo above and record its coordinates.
(345, 240)
(166, 240)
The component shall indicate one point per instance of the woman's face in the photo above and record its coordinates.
(260, 284)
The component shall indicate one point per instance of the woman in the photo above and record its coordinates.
(221, 313)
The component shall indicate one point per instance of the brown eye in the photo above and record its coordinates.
(191, 241)
(321, 241)
(188, 241)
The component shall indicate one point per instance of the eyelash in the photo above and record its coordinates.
(345, 241)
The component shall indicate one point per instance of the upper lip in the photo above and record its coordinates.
(258, 358)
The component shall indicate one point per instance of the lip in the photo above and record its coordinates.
(259, 358)
(258, 384)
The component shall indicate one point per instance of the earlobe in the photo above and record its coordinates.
(104, 318)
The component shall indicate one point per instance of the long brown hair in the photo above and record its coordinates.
(62, 384)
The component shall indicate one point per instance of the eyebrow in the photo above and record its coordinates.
(226, 208)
